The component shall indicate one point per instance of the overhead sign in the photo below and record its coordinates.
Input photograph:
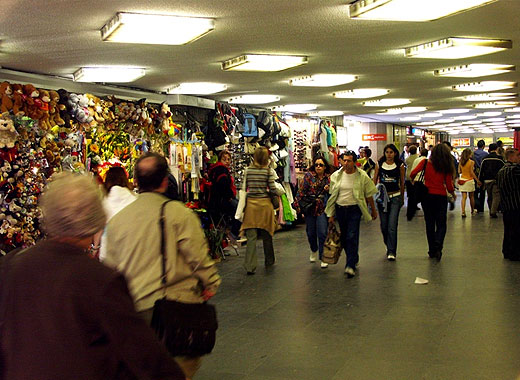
(375, 137)
(461, 142)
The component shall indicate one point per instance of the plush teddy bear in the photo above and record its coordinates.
(6, 95)
(31, 108)
(64, 107)
(55, 108)
(18, 105)
(7, 131)
(45, 99)
(94, 109)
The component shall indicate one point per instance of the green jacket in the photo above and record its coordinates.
(363, 188)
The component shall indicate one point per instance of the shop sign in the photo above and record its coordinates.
(460, 142)
(375, 137)
(417, 132)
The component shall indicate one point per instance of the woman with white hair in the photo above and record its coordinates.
(64, 315)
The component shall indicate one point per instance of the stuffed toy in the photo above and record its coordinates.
(65, 107)
(31, 100)
(18, 105)
(6, 95)
(95, 109)
(165, 115)
(55, 108)
(45, 99)
(7, 131)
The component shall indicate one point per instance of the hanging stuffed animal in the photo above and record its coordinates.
(6, 96)
(7, 131)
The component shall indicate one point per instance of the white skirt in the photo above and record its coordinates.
(468, 187)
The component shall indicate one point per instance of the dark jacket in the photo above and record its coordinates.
(222, 186)
(66, 316)
(490, 166)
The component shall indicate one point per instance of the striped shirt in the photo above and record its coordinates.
(508, 181)
(259, 182)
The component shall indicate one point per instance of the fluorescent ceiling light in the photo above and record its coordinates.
(516, 109)
(326, 113)
(387, 102)
(296, 107)
(471, 122)
(155, 29)
(197, 88)
(263, 62)
(503, 104)
(502, 130)
(454, 125)
(489, 114)
(489, 96)
(474, 70)
(361, 93)
(513, 120)
(432, 114)
(454, 111)
(445, 121)
(514, 117)
(486, 130)
(493, 119)
(410, 118)
(109, 74)
(484, 86)
(424, 123)
(498, 123)
(323, 80)
(470, 130)
(455, 48)
(453, 132)
(465, 117)
(254, 99)
(410, 10)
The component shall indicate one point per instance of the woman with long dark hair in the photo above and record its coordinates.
(467, 181)
(438, 179)
(311, 201)
(390, 173)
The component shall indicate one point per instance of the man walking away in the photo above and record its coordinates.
(480, 192)
(508, 180)
(488, 174)
(412, 202)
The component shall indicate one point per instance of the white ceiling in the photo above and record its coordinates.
(56, 37)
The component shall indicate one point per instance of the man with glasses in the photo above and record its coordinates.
(351, 191)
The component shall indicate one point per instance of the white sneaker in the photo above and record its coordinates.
(313, 257)
(391, 257)
(324, 265)
(350, 272)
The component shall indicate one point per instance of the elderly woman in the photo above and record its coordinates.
(69, 316)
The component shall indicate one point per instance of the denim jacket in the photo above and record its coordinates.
(363, 188)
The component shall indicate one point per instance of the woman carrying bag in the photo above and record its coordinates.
(311, 201)
(259, 218)
(467, 181)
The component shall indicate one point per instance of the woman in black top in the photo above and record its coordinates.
(390, 173)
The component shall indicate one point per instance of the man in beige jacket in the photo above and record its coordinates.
(134, 246)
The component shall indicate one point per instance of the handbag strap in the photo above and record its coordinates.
(162, 223)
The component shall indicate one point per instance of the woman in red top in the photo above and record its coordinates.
(438, 178)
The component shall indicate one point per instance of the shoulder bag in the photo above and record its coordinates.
(185, 329)
(307, 203)
(419, 185)
(332, 246)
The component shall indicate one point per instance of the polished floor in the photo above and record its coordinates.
(297, 321)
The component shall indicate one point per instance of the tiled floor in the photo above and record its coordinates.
(297, 321)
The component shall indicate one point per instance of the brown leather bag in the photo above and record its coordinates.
(332, 246)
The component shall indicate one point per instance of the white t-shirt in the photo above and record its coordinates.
(346, 190)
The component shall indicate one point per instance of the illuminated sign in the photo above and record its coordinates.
(460, 142)
(375, 137)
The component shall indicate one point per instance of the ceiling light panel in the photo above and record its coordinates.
(326, 113)
(410, 10)
(474, 70)
(387, 102)
(425, 123)
(516, 109)
(361, 93)
(489, 114)
(432, 114)
(323, 80)
(197, 88)
(454, 111)
(443, 121)
(471, 122)
(465, 117)
(493, 120)
(489, 97)
(109, 74)
(410, 118)
(254, 99)
(263, 62)
(503, 104)
(295, 108)
(456, 48)
(155, 29)
(484, 86)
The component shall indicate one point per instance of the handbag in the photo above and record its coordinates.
(332, 246)
(185, 329)
(307, 203)
(420, 189)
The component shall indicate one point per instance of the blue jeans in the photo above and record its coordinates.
(389, 220)
(349, 219)
(316, 231)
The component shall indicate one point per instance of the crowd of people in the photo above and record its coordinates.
(95, 315)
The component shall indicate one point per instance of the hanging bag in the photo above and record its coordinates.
(420, 189)
(185, 329)
(332, 246)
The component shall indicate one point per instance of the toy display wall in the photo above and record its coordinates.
(43, 131)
